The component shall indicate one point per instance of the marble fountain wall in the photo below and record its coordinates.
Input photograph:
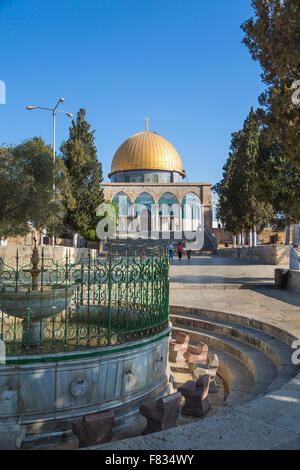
(48, 395)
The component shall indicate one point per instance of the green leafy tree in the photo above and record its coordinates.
(273, 39)
(26, 189)
(79, 155)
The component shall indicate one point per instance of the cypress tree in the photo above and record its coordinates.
(242, 204)
(79, 155)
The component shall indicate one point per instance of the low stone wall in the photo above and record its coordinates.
(265, 236)
(264, 254)
(56, 253)
(294, 281)
(222, 236)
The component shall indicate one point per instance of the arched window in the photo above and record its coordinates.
(168, 204)
(123, 203)
(169, 211)
(143, 201)
(191, 211)
(144, 210)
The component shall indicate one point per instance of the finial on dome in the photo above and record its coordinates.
(147, 123)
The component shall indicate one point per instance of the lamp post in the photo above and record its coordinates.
(53, 111)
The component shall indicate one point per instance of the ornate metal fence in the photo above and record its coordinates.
(46, 307)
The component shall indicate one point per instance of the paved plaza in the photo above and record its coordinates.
(214, 269)
(211, 282)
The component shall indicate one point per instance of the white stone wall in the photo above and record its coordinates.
(56, 253)
(264, 254)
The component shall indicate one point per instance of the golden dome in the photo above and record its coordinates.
(146, 151)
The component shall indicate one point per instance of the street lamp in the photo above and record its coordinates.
(53, 111)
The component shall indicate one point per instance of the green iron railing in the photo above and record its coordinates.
(47, 307)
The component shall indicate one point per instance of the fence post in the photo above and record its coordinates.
(109, 298)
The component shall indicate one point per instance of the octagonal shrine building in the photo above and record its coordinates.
(147, 184)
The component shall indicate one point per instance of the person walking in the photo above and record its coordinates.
(294, 257)
(188, 254)
(179, 250)
(170, 251)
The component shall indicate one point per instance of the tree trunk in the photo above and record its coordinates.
(254, 237)
(287, 234)
(250, 240)
(253, 232)
(296, 234)
(75, 240)
(242, 239)
(234, 241)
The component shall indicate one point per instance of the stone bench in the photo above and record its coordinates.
(197, 354)
(94, 429)
(211, 368)
(178, 347)
(161, 414)
(195, 394)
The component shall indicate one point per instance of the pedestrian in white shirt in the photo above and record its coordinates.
(294, 257)
(170, 250)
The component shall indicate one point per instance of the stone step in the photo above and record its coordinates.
(279, 352)
(236, 321)
(272, 348)
(262, 417)
(240, 378)
(261, 367)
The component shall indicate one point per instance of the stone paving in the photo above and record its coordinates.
(280, 308)
(212, 269)
(271, 421)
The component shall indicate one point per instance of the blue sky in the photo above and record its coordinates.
(180, 62)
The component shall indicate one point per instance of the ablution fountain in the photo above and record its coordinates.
(81, 338)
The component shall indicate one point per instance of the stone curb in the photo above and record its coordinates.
(179, 285)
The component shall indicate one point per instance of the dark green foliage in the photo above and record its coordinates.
(79, 156)
(273, 39)
(241, 205)
(261, 180)
(280, 179)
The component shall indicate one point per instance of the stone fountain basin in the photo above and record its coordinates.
(42, 303)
